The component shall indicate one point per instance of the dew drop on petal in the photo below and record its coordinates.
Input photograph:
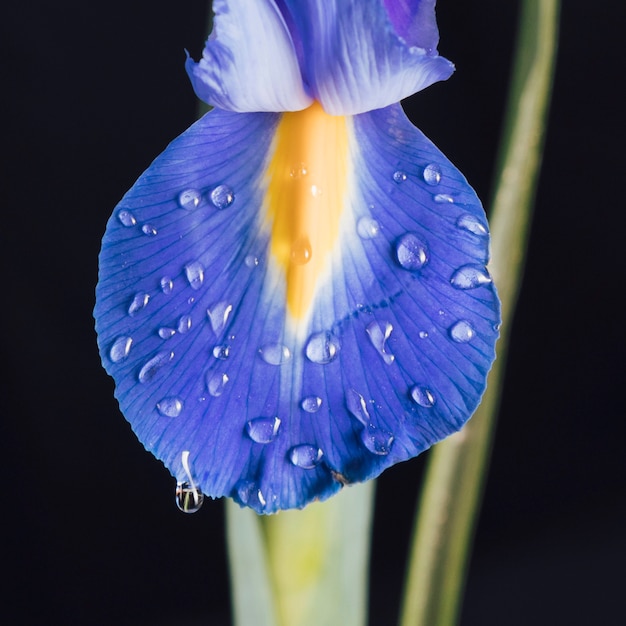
(376, 440)
(189, 199)
(166, 333)
(189, 498)
(120, 349)
(301, 251)
(422, 334)
(399, 176)
(251, 261)
(126, 218)
(367, 228)
(472, 224)
(379, 333)
(138, 303)
(221, 352)
(423, 396)
(274, 353)
(462, 331)
(195, 274)
(167, 285)
(263, 429)
(432, 174)
(322, 348)
(305, 456)
(218, 316)
(441, 198)
(311, 404)
(216, 384)
(249, 494)
(148, 229)
(184, 324)
(154, 365)
(170, 407)
(470, 277)
(222, 197)
(411, 252)
(357, 406)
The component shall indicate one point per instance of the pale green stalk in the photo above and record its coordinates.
(453, 485)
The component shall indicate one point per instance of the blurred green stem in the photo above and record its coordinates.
(454, 480)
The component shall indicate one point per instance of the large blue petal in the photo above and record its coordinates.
(193, 326)
(355, 60)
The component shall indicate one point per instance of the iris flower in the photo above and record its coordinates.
(294, 296)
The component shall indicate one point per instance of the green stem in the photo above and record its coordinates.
(454, 480)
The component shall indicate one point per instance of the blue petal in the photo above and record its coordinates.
(193, 323)
(354, 59)
(414, 21)
(249, 63)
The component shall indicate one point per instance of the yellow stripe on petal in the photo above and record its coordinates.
(306, 193)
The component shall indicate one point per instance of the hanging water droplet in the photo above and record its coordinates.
(170, 407)
(357, 406)
(411, 252)
(443, 197)
(263, 429)
(167, 285)
(376, 440)
(218, 316)
(472, 224)
(221, 352)
(222, 197)
(432, 174)
(322, 348)
(152, 367)
(422, 396)
(195, 274)
(126, 218)
(423, 334)
(399, 176)
(189, 199)
(148, 229)
(120, 349)
(367, 228)
(249, 494)
(216, 384)
(184, 324)
(462, 331)
(301, 251)
(139, 302)
(470, 277)
(275, 353)
(311, 404)
(166, 333)
(378, 334)
(251, 261)
(305, 456)
(189, 498)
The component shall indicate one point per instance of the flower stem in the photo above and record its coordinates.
(454, 480)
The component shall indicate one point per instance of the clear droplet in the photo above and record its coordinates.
(249, 494)
(263, 429)
(166, 333)
(126, 218)
(170, 407)
(148, 229)
(184, 324)
(152, 367)
(138, 303)
(311, 404)
(322, 348)
(422, 396)
(222, 197)
(357, 406)
(376, 440)
(472, 224)
(189, 498)
(411, 252)
(379, 333)
(216, 384)
(301, 251)
(432, 174)
(470, 277)
(305, 456)
(423, 334)
(195, 274)
(167, 285)
(218, 316)
(275, 353)
(251, 261)
(120, 349)
(367, 228)
(462, 331)
(399, 176)
(442, 198)
(221, 352)
(189, 199)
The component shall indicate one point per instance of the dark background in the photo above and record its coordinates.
(91, 94)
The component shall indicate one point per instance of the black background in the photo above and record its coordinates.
(91, 94)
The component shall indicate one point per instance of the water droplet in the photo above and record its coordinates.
(411, 252)
(218, 316)
(184, 324)
(367, 228)
(152, 367)
(443, 197)
(299, 171)
(249, 494)
(166, 333)
(322, 347)
(120, 349)
(399, 176)
(216, 384)
(263, 429)
(275, 353)
(357, 406)
(472, 224)
(462, 331)
(195, 274)
(470, 277)
(222, 197)
(170, 407)
(311, 404)
(167, 285)
(139, 302)
(126, 218)
(189, 498)
(378, 334)
(316, 191)
(376, 440)
(221, 352)
(301, 251)
(432, 174)
(305, 456)
(423, 334)
(251, 261)
(148, 229)
(189, 199)
(422, 396)
(190, 300)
